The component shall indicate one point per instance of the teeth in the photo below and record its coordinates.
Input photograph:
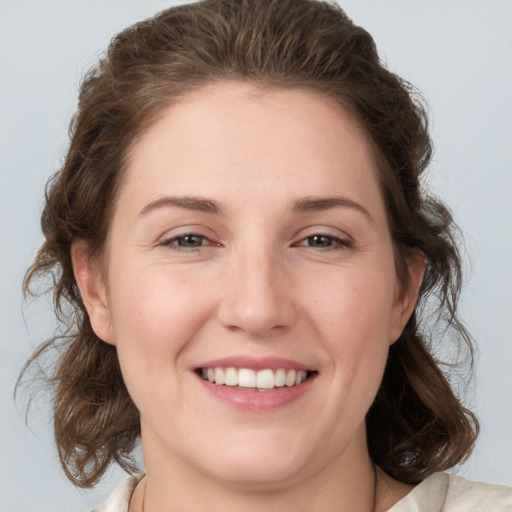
(231, 377)
(265, 379)
(247, 378)
(280, 378)
(290, 378)
(219, 376)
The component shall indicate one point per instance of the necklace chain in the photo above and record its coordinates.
(375, 483)
(144, 494)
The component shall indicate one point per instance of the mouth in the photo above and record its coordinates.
(247, 379)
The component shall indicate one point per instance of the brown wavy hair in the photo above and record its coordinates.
(417, 425)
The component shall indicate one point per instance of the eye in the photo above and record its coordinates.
(321, 241)
(186, 241)
(190, 240)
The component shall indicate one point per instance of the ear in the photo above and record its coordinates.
(406, 299)
(93, 292)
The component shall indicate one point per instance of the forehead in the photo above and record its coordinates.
(224, 136)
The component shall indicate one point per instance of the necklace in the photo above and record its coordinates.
(375, 484)
(144, 494)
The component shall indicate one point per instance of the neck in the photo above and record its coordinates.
(338, 487)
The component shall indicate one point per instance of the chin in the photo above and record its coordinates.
(265, 474)
(263, 462)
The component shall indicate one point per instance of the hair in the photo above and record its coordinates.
(416, 425)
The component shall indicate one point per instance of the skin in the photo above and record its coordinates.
(256, 285)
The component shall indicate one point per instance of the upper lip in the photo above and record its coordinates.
(254, 363)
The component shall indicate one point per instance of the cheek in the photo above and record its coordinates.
(354, 313)
(154, 317)
(354, 303)
(152, 305)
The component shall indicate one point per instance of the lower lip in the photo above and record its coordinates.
(257, 400)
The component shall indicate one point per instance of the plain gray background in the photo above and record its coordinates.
(458, 53)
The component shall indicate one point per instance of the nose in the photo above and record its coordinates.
(257, 296)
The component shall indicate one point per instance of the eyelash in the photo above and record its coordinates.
(336, 243)
(173, 243)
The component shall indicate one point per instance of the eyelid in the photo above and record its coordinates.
(184, 229)
(174, 238)
(323, 230)
(341, 240)
(166, 240)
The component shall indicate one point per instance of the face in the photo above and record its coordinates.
(251, 290)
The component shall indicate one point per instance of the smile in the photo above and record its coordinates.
(249, 379)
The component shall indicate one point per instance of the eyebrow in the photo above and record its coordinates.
(193, 203)
(317, 204)
(304, 205)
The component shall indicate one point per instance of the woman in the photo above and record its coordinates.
(240, 231)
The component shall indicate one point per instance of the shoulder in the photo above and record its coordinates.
(465, 495)
(119, 500)
(453, 493)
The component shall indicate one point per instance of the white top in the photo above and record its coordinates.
(438, 493)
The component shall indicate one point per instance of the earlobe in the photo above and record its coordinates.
(407, 299)
(93, 292)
